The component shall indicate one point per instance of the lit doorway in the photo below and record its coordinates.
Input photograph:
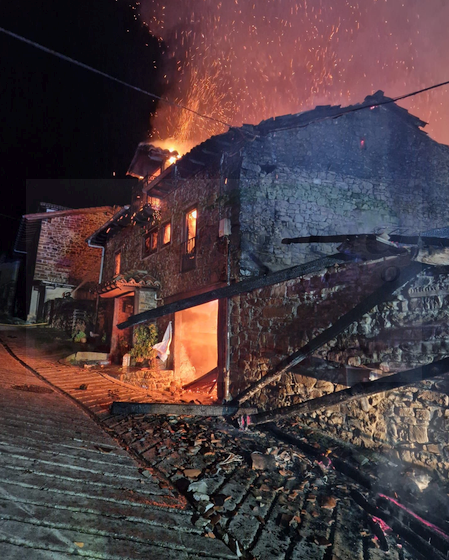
(196, 345)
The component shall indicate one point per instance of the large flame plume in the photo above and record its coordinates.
(246, 60)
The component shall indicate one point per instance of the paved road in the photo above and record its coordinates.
(69, 490)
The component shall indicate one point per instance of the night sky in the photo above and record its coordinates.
(64, 128)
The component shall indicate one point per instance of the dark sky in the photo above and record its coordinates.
(63, 127)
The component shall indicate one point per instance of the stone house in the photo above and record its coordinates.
(57, 261)
(218, 215)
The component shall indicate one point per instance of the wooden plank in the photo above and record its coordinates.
(377, 297)
(327, 238)
(179, 409)
(388, 383)
(235, 289)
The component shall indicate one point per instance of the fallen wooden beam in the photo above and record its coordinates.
(378, 296)
(327, 238)
(388, 383)
(126, 408)
(425, 240)
(364, 245)
(235, 289)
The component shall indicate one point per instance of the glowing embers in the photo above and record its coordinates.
(196, 345)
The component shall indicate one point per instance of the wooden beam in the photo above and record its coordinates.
(388, 383)
(326, 238)
(234, 289)
(377, 297)
(424, 240)
(126, 408)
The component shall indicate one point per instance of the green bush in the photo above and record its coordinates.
(145, 337)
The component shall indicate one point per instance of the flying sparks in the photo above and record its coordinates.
(242, 61)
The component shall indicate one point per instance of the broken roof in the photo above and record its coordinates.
(69, 212)
(148, 159)
(210, 151)
(120, 219)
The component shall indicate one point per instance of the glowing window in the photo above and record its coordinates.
(166, 234)
(189, 246)
(117, 263)
(191, 218)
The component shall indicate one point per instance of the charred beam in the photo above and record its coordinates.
(420, 534)
(400, 278)
(126, 408)
(418, 240)
(327, 238)
(425, 240)
(234, 289)
(382, 385)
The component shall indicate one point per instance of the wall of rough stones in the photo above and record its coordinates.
(63, 256)
(410, 423)
(359, 173)
(203, 192)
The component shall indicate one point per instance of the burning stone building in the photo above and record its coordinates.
(202, 241)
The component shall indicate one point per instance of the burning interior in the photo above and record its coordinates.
(196, 346)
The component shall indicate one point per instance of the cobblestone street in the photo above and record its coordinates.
(262, 494)
(68, 490)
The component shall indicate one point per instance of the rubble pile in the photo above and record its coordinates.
(264, 498)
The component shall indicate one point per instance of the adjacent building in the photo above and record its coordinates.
(58, 263)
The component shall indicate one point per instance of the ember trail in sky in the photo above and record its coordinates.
(242, 61)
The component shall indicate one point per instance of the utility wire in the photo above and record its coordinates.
(363, 106)
(10, 217)
(183, 107)
(108, 76)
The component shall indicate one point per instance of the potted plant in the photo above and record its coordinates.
(80, 336)
(145, 337)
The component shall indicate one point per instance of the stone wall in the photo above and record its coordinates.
(201, 191)
(63, 256)
(413, 329)
(356, 174)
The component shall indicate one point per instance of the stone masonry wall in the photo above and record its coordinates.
(63, 256)
(359, 173)
(410, 423)
(203, 192)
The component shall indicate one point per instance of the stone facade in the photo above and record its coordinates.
(368, 171)
(165, 264)
(408, 331)
(62, 255)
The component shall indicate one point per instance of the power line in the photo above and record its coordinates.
(108, 76)
(364, 106)
(184, 108)
(10, 217)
